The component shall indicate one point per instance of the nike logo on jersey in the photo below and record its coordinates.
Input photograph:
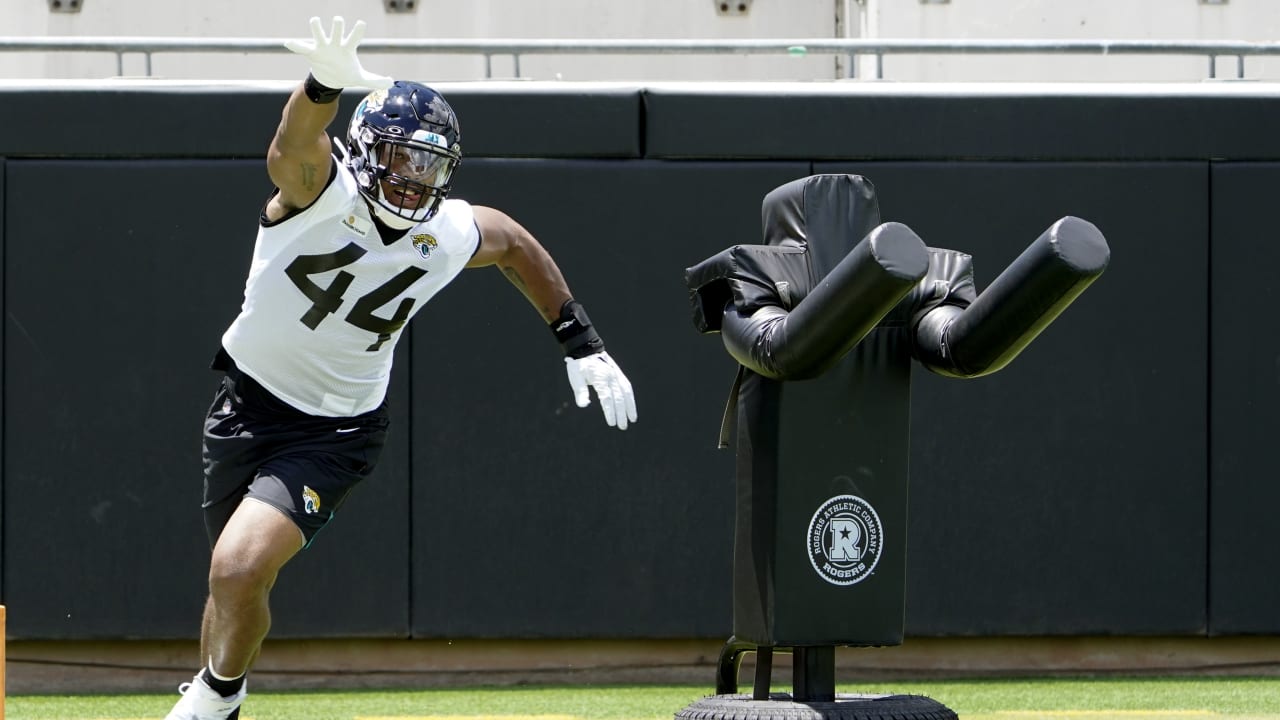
(347, 430)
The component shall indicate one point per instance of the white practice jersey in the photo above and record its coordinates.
(326, 300)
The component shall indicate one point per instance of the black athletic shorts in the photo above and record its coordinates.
(258, 446)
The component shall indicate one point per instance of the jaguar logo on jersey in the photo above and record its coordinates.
(310, 500)
(424, 243)
(845, 540)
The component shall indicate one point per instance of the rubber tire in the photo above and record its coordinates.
(780, 706)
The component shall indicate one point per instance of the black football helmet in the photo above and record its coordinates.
(403, 145)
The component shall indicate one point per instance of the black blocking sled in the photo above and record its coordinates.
(824, 320)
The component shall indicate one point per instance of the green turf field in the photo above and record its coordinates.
(1058, 699)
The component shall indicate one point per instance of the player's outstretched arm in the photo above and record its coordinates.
(528, 265)
(298, 159)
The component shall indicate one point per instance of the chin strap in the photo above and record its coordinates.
(342, 152)
(390, 219)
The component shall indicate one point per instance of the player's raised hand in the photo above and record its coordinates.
(333, 57)
(601, 373)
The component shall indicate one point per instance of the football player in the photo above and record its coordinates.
(349, 247)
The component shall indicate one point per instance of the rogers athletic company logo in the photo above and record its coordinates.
(845, 540)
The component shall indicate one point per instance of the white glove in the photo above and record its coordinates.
(599, 371)
(333, 57)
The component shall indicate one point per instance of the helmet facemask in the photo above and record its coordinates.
(405, 179)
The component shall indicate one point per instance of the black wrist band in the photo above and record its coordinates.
(573, 330)
(317, 93)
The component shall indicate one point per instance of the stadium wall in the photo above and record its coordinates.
(1115, 480)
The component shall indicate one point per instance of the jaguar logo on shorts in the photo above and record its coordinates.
(310, 500)
(424, 243)
(845, 540)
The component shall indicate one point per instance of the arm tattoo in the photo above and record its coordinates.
(309, 174)
(514, 276)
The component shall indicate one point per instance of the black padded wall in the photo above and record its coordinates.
(1112, 480)
(118, 326)
(111, 323)
(997, 122)
(560, 120)
(3, 235)
(216, 121)
(532, 517)
(1245, 380)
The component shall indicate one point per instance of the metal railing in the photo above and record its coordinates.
(516, 48)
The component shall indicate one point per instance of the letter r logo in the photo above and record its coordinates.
(845, 536)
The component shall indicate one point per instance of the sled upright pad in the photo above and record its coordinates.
(820, 302)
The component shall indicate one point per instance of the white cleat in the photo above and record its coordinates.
(201, 702)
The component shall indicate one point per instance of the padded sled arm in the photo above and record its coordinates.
(1013, 310)
(839, 312)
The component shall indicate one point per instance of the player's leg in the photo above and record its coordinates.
(235, 444)
(273, 478)
(294, 495)
(257, 541)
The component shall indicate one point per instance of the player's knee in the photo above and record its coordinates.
(237, 579)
